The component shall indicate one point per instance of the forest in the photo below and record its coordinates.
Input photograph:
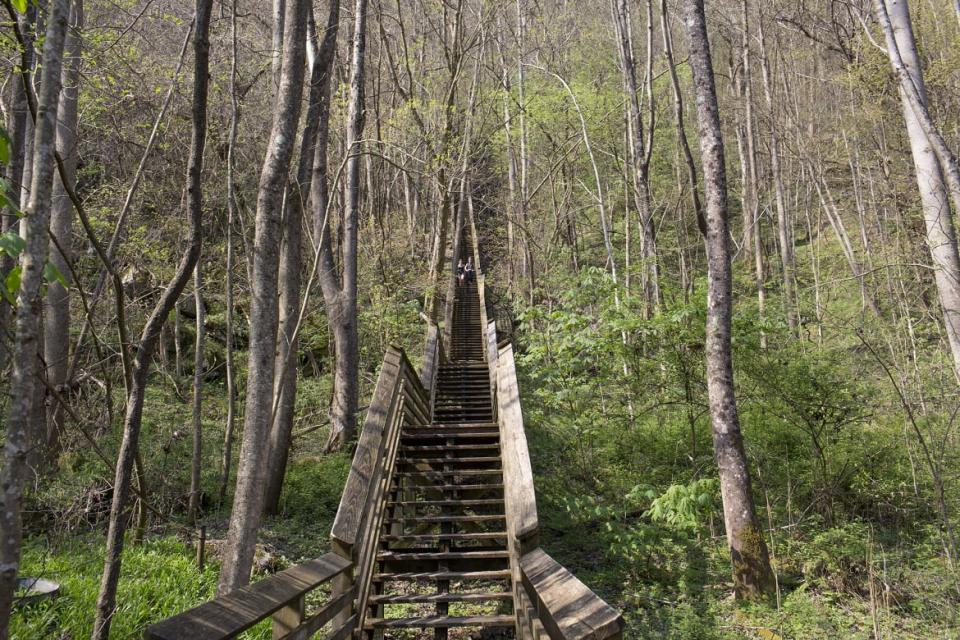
(283, 281)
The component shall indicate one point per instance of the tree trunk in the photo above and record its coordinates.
(198, 361)
(34, 257)
(106, 600)
(640, 159)
(894, 17)
(16, 173)
(752, 575)
(231, 221)
(286, 368)
(341, 298)
(753, 190)
(56, 345)
(678, 115)
(258, 416)
(784, 221)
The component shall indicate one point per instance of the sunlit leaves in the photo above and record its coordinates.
(5, 145)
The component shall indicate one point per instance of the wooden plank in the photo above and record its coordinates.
(518, 473)
(367, 458)
(441, 597)
(432, 537)
(442, 555)
(316, 622)
(430, 360)
(444, 575)
(442, 622)
(492, 358)
(568, 609)
(344, 631)
(239, 610)
(288, 618)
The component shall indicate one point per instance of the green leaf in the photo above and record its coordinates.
(52, 274)
(19, 5)
(5, 144)
(12, 285)
(11, 244)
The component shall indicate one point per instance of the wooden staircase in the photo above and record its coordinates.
(437, 534)
(444, 561)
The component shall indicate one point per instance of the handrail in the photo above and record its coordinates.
(281, 595)
(521, 502)
(399, 398)
(433, 358)
(566, 609)
(549, 600)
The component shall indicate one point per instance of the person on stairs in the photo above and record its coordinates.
(460, 272)
(469, 271)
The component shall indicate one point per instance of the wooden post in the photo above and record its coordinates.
(289, 617)
(343, 583)
(201, 543)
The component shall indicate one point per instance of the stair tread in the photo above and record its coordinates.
(448, 474)
(441, 622)
(485, 517)
(454, 434)
(441, 597)
(442, 555)
(451, 487)
(449, 460)
(444, 575)
(430, 537)
(444, 503)
(448, 447)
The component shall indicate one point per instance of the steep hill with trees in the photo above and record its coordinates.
(721, 237)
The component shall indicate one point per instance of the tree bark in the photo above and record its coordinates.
(197, 408)
(640, 158)
(16, 173)
(23, 380)
(678, 115)
(290, 261)
(930, 166)
(784, 221)
(753, 188)
(341, 298)
(752, 575)
(106, 600)
(227, 456)
(258, 417)
(56, 344)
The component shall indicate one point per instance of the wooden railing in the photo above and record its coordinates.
(550, 602)
(282, 595)
(433, 357)
(400, 398)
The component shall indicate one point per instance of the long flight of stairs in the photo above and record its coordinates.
(442, 567)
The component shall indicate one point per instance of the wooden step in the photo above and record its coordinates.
(450, 487)
(440, 622)
(443, 555)
(436, 519)
(453, 432)
(441, 597)
(445, 503)
(436, 537)
(449, 460)
(482, 425)
(449, 447)
(448, 474)
(503, 574)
